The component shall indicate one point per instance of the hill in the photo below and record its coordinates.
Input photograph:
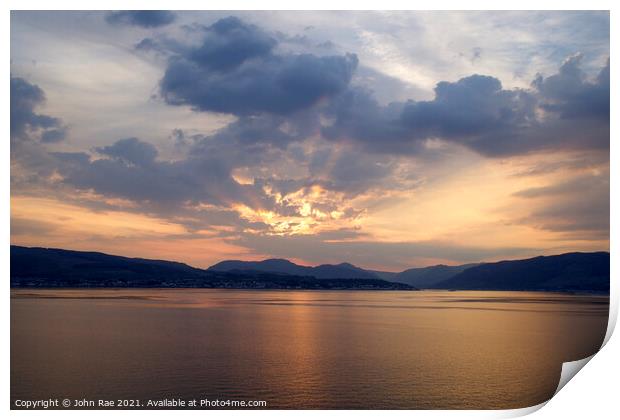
(48, 267)
(281, 266)
(577, 271)
(427, 277)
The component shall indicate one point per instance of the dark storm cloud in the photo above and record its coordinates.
(130, 171)
(229, 42)
(239, 69)
(131, 151)
(477, 112)
(571, 95)
(142, 18)
(236, 70)
(54, 135)
(474, 111)
(262, 130)
(359, 117)
(25, 122)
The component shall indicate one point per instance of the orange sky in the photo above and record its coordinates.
(477, 208)
(255, 136)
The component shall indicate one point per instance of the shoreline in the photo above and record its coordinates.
(558, 292)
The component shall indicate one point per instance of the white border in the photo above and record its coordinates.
(310, 5)
(592, 395)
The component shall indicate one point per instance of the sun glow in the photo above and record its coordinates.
(306, 211)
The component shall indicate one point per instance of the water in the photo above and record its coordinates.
(300, 349)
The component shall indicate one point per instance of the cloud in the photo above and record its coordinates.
(235, 70)
(239, 69)
(267, 188)
(287, 173)
(142, 18)
(569, 94)
(577, 207)
(265, 130)
(23, 226)
(575, 185)
(284, 153)
(478, 113)
(576, 163)
(358, 117)
(25, 122)
(54, 135)
(474, 111)
(130, 151)
(319, 151)
(354, 172)
(229, 42)
(129, 171)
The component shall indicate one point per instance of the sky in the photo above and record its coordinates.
(388, 140)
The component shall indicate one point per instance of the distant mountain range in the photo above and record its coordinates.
(46, 267)
(425, 277)
(428, 277)
(576, 271)
(325, 271)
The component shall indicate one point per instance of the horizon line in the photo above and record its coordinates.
(310, 266)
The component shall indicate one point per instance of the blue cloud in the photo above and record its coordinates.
(130, 151)
(477, 112)
(571, 95)
(229, 42)
(236, 70)
(142, 18)
(162, 184)
(239, 69)
(25, 122)
(54, 135)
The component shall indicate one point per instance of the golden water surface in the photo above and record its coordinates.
(300, 349)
